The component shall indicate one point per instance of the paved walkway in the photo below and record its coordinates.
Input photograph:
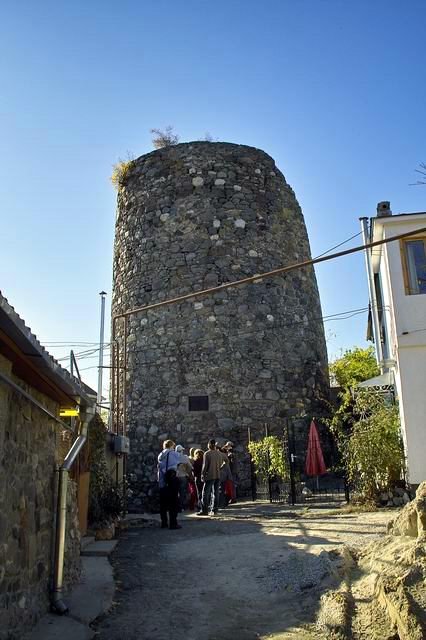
(256, 571)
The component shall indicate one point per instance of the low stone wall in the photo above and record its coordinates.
(29, 443)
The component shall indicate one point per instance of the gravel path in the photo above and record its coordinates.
(257, 571)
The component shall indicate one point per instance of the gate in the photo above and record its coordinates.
(275, 489)
(330, 487)
(297, 487)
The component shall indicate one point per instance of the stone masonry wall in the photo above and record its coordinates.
(28, 447)
(190, 217)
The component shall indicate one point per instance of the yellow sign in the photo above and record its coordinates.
(68, 413)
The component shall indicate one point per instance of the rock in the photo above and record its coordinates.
(219, 182)
(198, 181)
(411, 521)
(265, 373)
(105, 533)
(226, 423)
(240, 223)
(334, 615)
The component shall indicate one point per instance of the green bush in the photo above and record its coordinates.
(121, 170)
(374, 455)
(105, 498)
(269, 457)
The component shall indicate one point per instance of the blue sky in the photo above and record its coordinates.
(333, 90)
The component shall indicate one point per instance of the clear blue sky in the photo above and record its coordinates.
(333, 90)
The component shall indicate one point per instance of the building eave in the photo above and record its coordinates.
(33, 362)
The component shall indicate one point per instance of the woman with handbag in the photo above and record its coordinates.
(168, 483)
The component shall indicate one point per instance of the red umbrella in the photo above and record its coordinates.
(314, 464)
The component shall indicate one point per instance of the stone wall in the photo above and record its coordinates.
(29, 443)
(190, 217)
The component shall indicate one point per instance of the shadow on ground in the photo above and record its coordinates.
(230, 578)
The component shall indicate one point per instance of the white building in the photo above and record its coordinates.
(397, 280)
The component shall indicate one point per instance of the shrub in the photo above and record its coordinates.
(164, 138)
(121, 170)
(375, 454)
(269, 457)
(105, 498)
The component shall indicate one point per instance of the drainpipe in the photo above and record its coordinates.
(58, 605)
(372, 293)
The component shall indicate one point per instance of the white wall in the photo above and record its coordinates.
(407, 316)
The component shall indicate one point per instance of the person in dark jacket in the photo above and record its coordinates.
(168, 483)
(197, 467)
(210, 475)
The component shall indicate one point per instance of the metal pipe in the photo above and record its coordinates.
(124, 376)
(61, 518)
(76, 366)
(372, 294)
(267, 274)
(101, 346)
(112, 391)
(117, 390)
(34, 402)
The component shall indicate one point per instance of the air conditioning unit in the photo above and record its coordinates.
(121, 444)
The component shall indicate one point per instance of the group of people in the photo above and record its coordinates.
(202, 480)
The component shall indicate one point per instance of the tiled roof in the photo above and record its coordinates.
(16, 329)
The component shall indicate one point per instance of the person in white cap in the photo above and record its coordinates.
(184, 474)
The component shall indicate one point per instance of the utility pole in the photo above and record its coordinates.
(101, 347)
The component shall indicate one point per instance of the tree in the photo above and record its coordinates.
(422, 172)
(354, 366)
(365, 425)
(164, 138)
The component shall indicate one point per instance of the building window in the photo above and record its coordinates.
(414, 261)
(198, 403)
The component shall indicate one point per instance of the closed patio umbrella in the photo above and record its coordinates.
(314, 464)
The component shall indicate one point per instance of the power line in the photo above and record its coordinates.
(338, 245)
(67, 343)
(343, 315)
(82, 354)
(258, 277)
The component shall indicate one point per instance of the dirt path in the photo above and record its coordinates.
(255, 572)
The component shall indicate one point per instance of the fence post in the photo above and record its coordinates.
(346, 486)
(252, 473)
(291, 461)
(269, 464)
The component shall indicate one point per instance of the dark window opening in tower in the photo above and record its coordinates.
(198, 403)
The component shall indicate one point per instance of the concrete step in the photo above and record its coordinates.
(100, 548)
(85, 541)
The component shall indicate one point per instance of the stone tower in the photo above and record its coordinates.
(190, 217)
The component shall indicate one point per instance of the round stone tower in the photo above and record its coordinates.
(190, 217)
